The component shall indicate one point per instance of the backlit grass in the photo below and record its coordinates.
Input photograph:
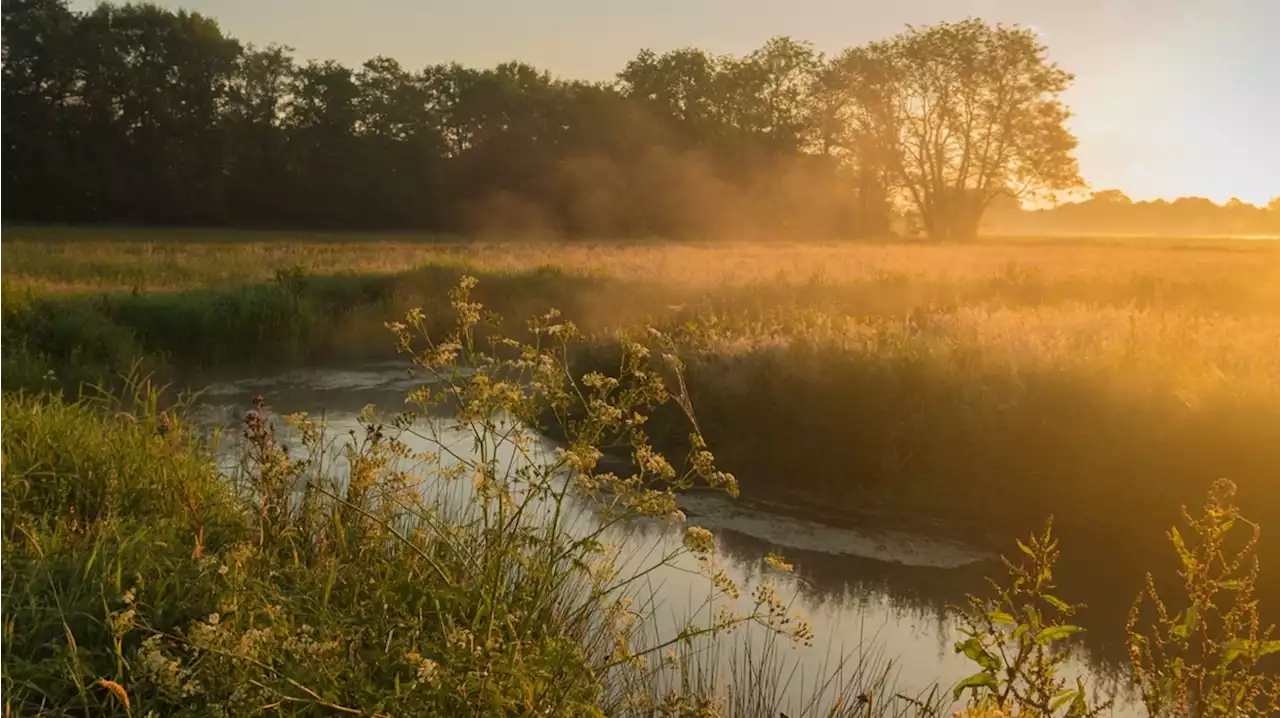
(138, 580)
(1106, 381)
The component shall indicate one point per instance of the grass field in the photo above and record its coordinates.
(1037, 373)
(1105, 381)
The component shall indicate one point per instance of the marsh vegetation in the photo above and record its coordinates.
(981, 370)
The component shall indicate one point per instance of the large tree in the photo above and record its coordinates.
(962, 113)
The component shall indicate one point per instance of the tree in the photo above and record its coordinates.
(680, 87)
(401, 150)
(963, 112)
(154, 83)
(769, 94)
(1111, 196)
(321, 119)
(39, 79)
(258, 180)
(140, 114)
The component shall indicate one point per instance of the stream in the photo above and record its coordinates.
(876, 595)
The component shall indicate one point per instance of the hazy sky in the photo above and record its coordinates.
(1172, 97)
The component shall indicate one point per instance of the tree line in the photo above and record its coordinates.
(134, 113)
(1113, 212)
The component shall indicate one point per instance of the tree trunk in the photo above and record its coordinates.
(954, 218)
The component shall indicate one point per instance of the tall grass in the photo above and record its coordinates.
(988, 384)
(484, 577)
(139, 581)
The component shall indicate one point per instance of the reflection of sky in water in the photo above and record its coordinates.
(884, 593)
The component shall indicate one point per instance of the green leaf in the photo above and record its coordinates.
(975, 681)
(976, 652)
(1187, 559)
(1025, 548)
(1057, 603)
(1062, 698)
(1242, 646)
(1235, 649)
(1079, 705)
(1033, 618)
(1050, 634)
(1188, 623)
(1002, 618)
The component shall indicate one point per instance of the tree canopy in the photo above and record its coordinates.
(134, 113)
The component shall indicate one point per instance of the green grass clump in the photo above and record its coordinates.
(110, 519)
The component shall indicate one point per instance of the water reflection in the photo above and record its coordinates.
(882, 592)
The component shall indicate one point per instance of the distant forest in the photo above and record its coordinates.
(1112, 212)
(137, 114)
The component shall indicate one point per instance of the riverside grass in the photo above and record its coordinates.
(904, 371)
(989, 385)
(139, 582)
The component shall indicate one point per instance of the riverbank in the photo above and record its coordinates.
(979, 393)
(290, 582)
(977, 388)
(120, 535)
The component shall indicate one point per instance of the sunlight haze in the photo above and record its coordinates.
(1172, 98)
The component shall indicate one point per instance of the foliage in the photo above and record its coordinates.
(1206, 658)
(959, 114)
(1057, 375)
(135, 113)
(1016, 637)
(207, 130)
(138, 580)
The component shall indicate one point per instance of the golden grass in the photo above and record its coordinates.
(1247, 272)
(1104, 381)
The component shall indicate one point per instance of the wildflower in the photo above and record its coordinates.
(213, 619)
(128, 597)
(165, 673)
(222, 570)
(777, 563)
(426, 671)
(122, 621)
(699, 540)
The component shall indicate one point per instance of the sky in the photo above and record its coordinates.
(1172, 97)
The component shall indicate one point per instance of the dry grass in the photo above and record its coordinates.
(1237, 275)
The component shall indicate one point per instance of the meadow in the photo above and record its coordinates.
(1029, 373)
(974, 389)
